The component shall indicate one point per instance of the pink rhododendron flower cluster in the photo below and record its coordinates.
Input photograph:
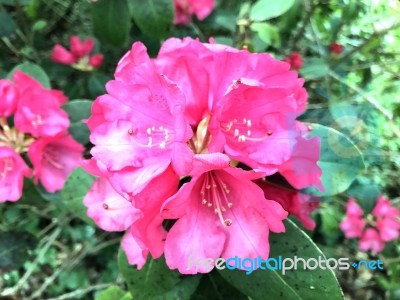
(185, 9)
(383, 225)
(295, 60)
(79, 56)
(218, 119)
(40, 130)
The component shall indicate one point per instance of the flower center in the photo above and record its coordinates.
(202, 138)
(11, 137)
(243, 130)
(214, 193)
(6, 165)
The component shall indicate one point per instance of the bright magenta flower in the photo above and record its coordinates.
(185, 9)
(39, 112)
(37, 126)
(13, 169)
(225, 213)
(198, 110)
(298, 204)
(53, 159)
(371, 241)
(79, 57)
(9, 98)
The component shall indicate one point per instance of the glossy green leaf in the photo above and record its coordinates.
(153, 17)
(264, 10)
(111, 21)
(294, 284)
(75, 189)
(156, 281)
(341, 161)
(79, 110)
(34, 71)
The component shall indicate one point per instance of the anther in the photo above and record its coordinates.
(105, 206)
(228, 222)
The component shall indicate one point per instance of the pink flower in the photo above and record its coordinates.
(185, 9)
(39, 112)
(187, 113)
(336, 48)
(221, 213)
(371, 241)
(108, 209)
(53, 159)
(139, 127)
(247, 103)
(298, 204)
(79, 57)
(389, 228)
(13, 169)
(96, 60)
(295, 60)
(353, 224)
(383, 208)
(9, 98)
(353, 209)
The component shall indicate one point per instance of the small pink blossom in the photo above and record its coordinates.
(53, 159)
(336, 48)
(371, 241)
(13, 169)
(39, 112)
(388, 228)
(9, 98)
(295, 60)
(298, 204)
(79, 56)
(353, 224)
(383, 208)
(185, 9)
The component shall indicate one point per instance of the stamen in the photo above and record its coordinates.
(214, 193)
(243, 132)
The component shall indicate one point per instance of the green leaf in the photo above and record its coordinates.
(153, 17)
(34, 71)
(155, 280)
(111, 21)
(264, 10)
(14, 248)
(213, 287)
(75, 189)
(7, 25)
(314, 68)
(78, 110)
(341, 161)
(115, 293)
(269, 34)
(96, 84)
(295, 284)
